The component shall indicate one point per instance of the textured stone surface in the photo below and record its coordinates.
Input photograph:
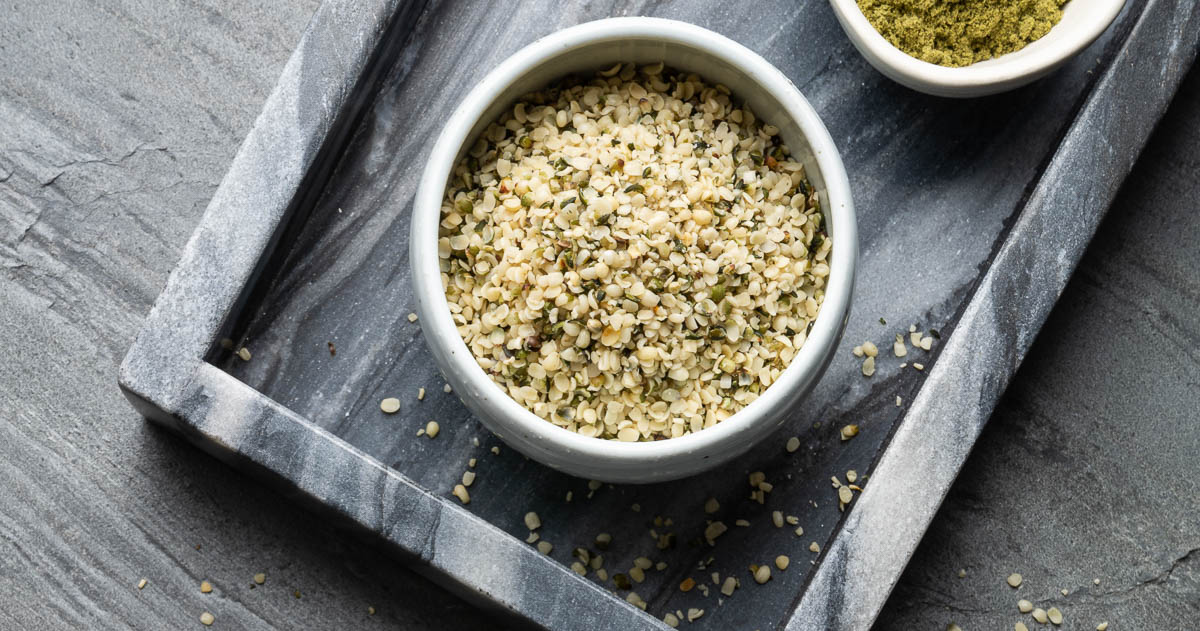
(119, 120)
(1089, 468)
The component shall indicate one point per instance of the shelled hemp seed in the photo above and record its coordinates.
(632, 256)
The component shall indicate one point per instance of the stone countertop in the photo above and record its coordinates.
(110, 147)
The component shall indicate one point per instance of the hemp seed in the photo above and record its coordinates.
(532, 521)
(711, 505)
(432, 428)
(461, 493)
(792, 445)
(205, 587)
(412, 317)
(762, 574)
(260, 578)
(1024, 606)
(868, 367)
(1054, 615)
(1020, 626)
(390, 405)
(782, 562)
(207, 619)
(468, 478)
(1014, 580)
(420, 394)
(849, 431)
(1039, 614)
(142, 584)
(545, 547)
(244, 354)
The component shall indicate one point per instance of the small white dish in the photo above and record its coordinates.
(595, 46)
(1082, 22)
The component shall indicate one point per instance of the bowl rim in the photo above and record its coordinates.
(436, 321)
(996, 71)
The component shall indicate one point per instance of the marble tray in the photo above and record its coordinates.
(972, 215)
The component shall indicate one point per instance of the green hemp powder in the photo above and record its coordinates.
(961, 32)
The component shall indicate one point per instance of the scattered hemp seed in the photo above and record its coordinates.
(643, 563)
(637, 574)
(432, 428)
(532, 538)
(496, 450)
(412, 317)
(244, 353)
(782, 562)
(777, 519)
(1103, 626)
(205, 587)
(953, 627)
(918, 366)
(899, 401)
(744, 523)
(1039, 614)
(420, 394)
(207, 619)
(868, 367)
(852, 476)
(603, 540)
(1054, 615)
(670, 620)
(792, 520)
(421, 432)
(1024, 606)
(1095, 581)
(447, 389)
(370, 610)
(687, 584)
(634, 599)
(849, 431)
(845, 495)
(579, 568)
(1020, 626)
(857, 351)
(813, 547)
(635, 507)
(792, 444)
(1014, 580)
(926, 343)
(472, 462)
(694, 614)
(142, 584)
(711, 505)
(869, 349)
(799, 531)
(1065, 592)
(545, 547)
(532, 521)
(594, 485)
(898, 347)
(570, 494)
(461, 493)
(468, 478)
(390, 405)
(260, 578)
(714, 530)
(660, 566)
(762, 574)
(729, 585)
(962, 573)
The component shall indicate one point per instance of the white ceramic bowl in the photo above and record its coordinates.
(595, 46)
(1082, 22)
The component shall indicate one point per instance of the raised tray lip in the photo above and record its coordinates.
(595, 457)
(166, 377)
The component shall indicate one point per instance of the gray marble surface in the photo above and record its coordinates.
(99, 192)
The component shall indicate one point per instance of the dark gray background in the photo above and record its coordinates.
(117, 120)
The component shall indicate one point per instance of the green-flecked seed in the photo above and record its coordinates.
(1014, 580)
(390, 405)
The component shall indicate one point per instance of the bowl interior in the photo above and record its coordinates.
(754, 82)
(1082, 22)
